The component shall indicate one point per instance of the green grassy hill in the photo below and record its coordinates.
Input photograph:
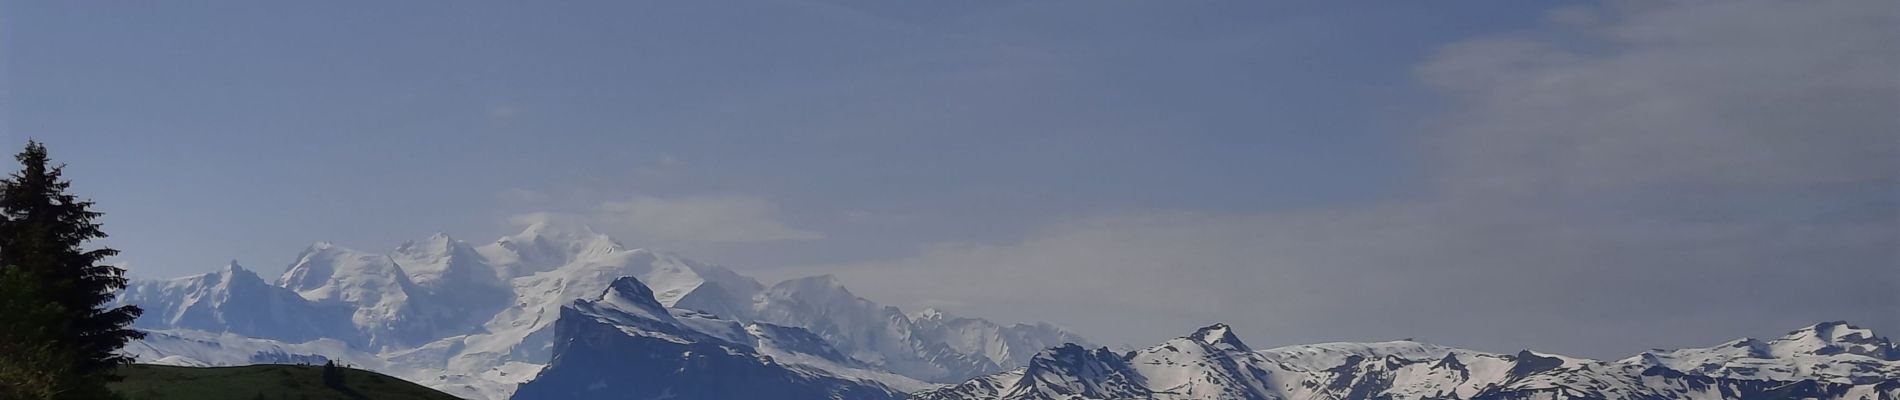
(271, 382)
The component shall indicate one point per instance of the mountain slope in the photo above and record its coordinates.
(519, 338)
(461, 288)
(262, 381)
(1831, 352)
(798, 346)
(183, 347)
(933, 347)
(384, 300)
(999, 346)
(234, 299)
(626, 345)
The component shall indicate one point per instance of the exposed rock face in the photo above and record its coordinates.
(627, 346)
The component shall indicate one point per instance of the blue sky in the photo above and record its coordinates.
(259, 128)
(1265, 157)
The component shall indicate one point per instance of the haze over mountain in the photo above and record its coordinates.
(624, 341)
(477, 321)
(587, 317)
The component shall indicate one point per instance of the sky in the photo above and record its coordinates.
(1577, 177)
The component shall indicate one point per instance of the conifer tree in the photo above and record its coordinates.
(32, 366)
(61, 287)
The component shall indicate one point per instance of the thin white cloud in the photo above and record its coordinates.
(682, 221)
(702, 218)
(1716, 95)
(546, 217)
(1583, 283)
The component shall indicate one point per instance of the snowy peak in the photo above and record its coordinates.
(1830, 352)
(820, 286)
(546, 245)
(929, 314)
(627, 345)
(989, 347)
(441, 263)
(710, 297)
(1219, 336)
(627, 294)
(1528, 363)
(818, 296)
(558, 231)
(821, 294)
(232, 266)
(931, 345)
(436, 245)
(601, 351)
(628, 307)
(521, 330)
(1836, 337)
(326, 271)
(386, 305)
(438, 248)
(1071, 356)
(319, 262)
(1071, 371)
(234, 274)
(234, 299)
(599, 245)
(674, 278)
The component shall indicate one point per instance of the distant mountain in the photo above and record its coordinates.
(999, 346)
(625, 345)
(476, 321)
(864, 330)
(235, 300)
(388, 307)
(565, 312)
(1826, 361)
(461, 288)
(1829, 352)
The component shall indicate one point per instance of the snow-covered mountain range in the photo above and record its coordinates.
(562, 312)
(478, 321)
(1826, 361)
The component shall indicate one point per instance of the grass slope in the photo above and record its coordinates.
(272, 382)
